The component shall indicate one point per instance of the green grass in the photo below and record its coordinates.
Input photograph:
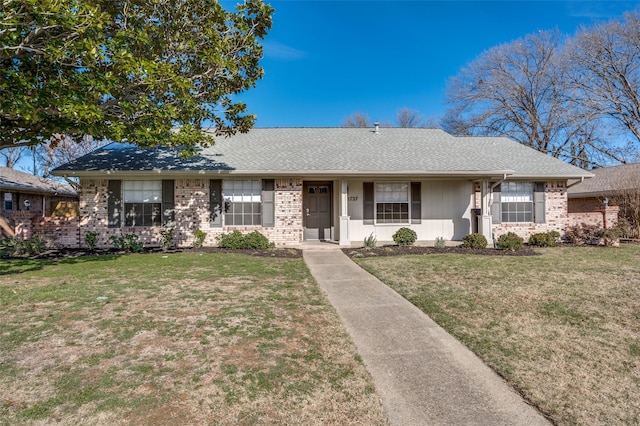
(563, 328)
(180, 338)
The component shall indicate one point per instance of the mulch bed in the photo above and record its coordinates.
(288, 253)
(393, 250)
(67, 253)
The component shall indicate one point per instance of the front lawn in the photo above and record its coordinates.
(184, 338)
(563, 328)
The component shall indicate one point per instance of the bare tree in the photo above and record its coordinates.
(357, 119)
(520, 90)
(607, 60)
(11, 156)
(61, 150)
(628, 199)
(407, 117)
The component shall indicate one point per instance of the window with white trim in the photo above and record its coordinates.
(392, 202)
(8, 201)
(242, 202)
(142, 202)
(517, 201)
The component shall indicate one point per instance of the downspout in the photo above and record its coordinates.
(504, 177)
(73, 184)
(576, 182)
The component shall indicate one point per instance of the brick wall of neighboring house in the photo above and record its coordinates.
(592, 211)
(62, 231)
(556, 216)
(23, 224)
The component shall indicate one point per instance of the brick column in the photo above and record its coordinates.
(23, 224)
(610, 216)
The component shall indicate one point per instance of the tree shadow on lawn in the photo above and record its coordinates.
(19, 266)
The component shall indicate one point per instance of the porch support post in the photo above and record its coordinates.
(344, 214)
(485, 220)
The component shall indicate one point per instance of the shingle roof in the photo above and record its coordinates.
(13, 180)
(608, 180)
(336, 151)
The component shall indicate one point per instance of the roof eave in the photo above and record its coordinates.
(590, 194)
(346, 173)
(552, 176)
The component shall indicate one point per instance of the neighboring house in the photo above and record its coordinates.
(596, 201)
(23, 192)
(335, 184)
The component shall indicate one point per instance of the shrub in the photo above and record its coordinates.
(510, 241)
(474, 241)
(237, 241)
(255, 240)
(370, 242)
(625, 227)
(440, 243)
(405, 237)
(199, 237)
(18, 247)
(6, 247)
(583, 234)
(611, 236)
(166, 238)
(127, 242)
(233, 240)
(91, 240)
(544, 239)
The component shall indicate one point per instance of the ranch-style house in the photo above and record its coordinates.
(332, 184)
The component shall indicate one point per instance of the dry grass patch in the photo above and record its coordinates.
(188, 338)
(563, 328)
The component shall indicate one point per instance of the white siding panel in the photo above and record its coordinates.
(446, 212)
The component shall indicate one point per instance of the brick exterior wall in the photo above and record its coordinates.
(592, 212)
(62, 231)
(556, 216)
(192, 212)
(192, 203)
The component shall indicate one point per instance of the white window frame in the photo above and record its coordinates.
(242, 199)
(392, 197)
(145, 195)
(8, 200)
(517, 198)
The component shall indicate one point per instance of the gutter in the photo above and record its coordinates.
(297, 173)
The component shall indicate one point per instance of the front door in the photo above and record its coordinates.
(316, 212)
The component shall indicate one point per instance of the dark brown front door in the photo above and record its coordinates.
(317, 210)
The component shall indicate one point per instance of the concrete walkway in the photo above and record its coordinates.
(423, 374)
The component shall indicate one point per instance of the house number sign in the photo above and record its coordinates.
(352, 198)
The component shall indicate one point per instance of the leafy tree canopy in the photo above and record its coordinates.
(150, 72)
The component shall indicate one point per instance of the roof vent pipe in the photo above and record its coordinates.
(376, 127)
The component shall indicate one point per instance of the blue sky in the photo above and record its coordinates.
(325, 60)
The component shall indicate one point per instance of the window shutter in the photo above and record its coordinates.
(416, 203)
(538, 202)
(496, 206)
(368, 204)
(268, 205)
(215, 202)
(168, 203)
(114, 203)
